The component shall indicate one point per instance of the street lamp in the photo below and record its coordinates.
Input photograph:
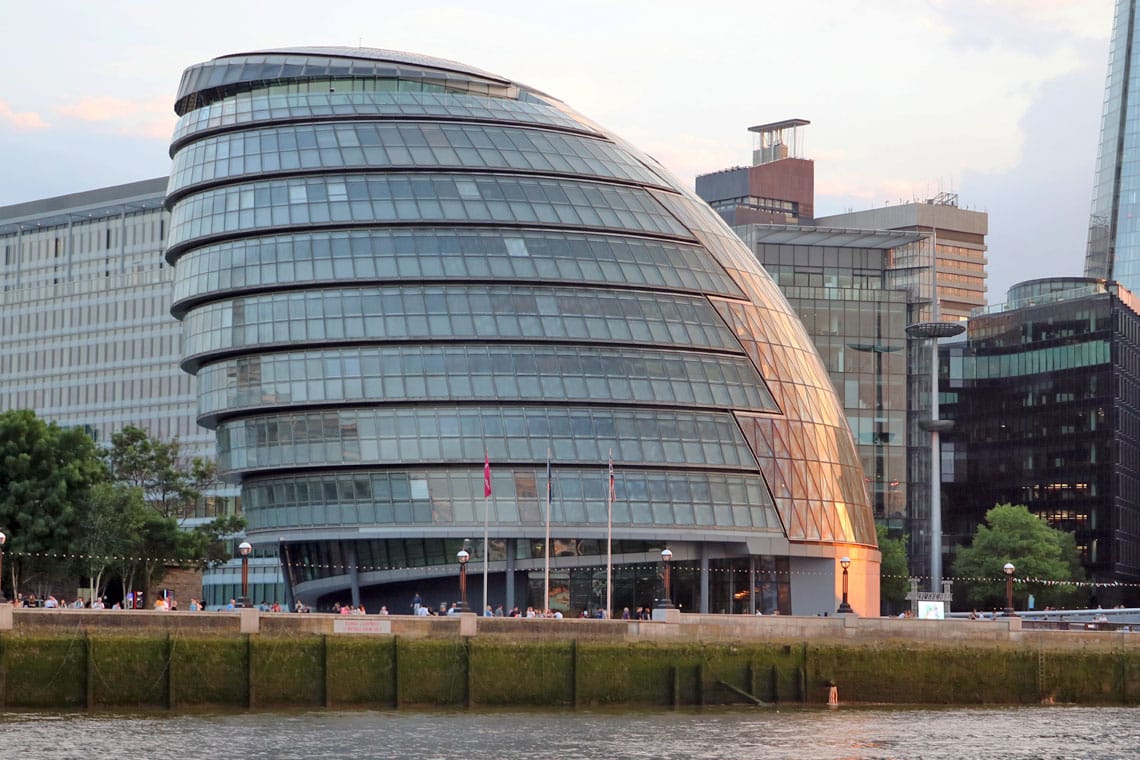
(3, 538)
(462, 555)
(244, 548)
(935, 426)
(667, 601)
(1008, 568)
(844, 607)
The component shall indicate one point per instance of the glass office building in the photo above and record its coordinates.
(1114, 223)
(392, 269)
(1045, 397)
(86, 338)
(842, 284)
(83, 298)
(857, 280)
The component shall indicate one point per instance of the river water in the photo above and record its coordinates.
(803, 733)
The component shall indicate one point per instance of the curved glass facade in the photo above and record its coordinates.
(457, 312)
(392, 270)
(347, 199)
(447, 373)
(250, 108)
(437, 500)
(432, 253)
(355, 145)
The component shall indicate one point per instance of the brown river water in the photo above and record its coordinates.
(803, 733)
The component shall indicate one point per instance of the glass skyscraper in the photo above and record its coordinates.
(392, 269)
(1114, 224)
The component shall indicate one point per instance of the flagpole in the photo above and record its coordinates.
(610, 540)
(546, 551)
(486, 495)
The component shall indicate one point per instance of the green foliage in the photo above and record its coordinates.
(1041, 555)
(171, 485)
(172, 482)
(893, 572)
(46, 477)
(206, 545)
(112, 519)
(61, 497)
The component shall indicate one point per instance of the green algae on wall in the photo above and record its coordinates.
(175, 671)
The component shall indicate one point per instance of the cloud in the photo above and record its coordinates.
(136, 118)
(25, 120)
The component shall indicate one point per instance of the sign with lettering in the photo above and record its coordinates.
(361, 625)
(916, 597)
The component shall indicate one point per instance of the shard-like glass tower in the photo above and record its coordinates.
(1114, 226)
(400, 275)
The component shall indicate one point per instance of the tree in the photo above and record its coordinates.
(171, 484)
(893, 571)
(46, 476)
(112, 521)
(207, 546)
(1043, 555)
(171, 481)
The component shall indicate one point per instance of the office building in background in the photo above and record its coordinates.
(858, 280)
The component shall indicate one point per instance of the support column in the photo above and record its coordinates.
(731, 590)
(704, 579)
(353, 572)
(286, 573)
(752, 589)
(509, 581)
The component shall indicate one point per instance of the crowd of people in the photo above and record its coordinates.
(170, 604)
(50, 602)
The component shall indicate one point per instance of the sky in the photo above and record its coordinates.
(998, 101)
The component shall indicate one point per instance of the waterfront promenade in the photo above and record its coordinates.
(676, 627)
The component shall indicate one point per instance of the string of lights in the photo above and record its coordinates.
(681, 568)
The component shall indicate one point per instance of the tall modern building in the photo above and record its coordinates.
(392, 269)
(83, 292)
(1114, 224)
(959, 239)
(1045, 398)
(86, 338)
(841, 283)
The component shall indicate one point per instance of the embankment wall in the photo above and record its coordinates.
(67, 659)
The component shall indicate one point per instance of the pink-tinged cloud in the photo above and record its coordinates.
(152, 118)
(26, 120)
(99, 109)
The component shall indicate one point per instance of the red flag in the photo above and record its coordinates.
(486, 476)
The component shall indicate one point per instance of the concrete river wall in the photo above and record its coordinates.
(67, 659)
